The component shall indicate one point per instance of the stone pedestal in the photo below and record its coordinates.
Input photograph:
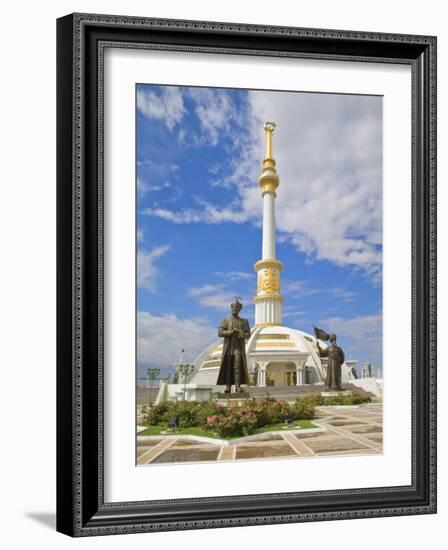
(233, 395)
(231, 399)
(335, 393)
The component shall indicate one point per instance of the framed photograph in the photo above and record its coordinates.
(246, 274)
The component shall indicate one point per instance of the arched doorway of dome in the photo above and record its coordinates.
(281, 374)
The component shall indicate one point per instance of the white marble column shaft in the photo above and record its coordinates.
(268, 249)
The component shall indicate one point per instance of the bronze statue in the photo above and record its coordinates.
(235, 331)
(255, 376)
(335, 356)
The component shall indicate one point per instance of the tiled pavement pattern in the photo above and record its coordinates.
(349, 431)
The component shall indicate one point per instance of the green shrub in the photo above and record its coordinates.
(256, 411)
(205, 409)
(354, 399)
(358, 399)
(229, 426)
(185, 413)
(304, 408)
(249, 423)
(155, 414)
(284, 411)
(273, 411)
(316, 398)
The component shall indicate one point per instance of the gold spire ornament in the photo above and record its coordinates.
(268, 300)
(269, 128)
(269, 179)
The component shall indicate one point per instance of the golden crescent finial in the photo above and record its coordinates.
(269, 128)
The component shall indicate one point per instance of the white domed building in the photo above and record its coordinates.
(276, 356)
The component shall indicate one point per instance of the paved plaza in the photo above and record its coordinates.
(346, 431)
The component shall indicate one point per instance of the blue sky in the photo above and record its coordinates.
(199, 154)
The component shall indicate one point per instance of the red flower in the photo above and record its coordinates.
(212, 419)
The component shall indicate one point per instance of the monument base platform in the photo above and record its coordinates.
(233, 395)
(231, 399)
(335, 393)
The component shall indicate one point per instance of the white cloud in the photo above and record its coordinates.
(328, 149)
(145, 162)
(216, 114)
(213, 296)
(342, 293)
(217, 296)
(183, 216)
(168, 106)
(154, 177)
(300, 289)
(215, 169)
(147, 270)
(147, 187)
(291, 312)
(328, 152)
(236, 275)
(140, 235)
(209, 213)
(160, 338)
(141, 185)
(204, 289)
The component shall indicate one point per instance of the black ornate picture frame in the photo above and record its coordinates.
(81, 509)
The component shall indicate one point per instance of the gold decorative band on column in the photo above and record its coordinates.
(268, 281)
(269, 180)
(268, 325)
(268, 263)
(266, 297)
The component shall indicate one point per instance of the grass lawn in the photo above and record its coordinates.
(156, 430)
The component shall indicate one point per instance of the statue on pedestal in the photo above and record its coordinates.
(335, 356)
(235, 331)
(255, 376)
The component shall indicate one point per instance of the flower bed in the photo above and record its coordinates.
(244, 419)
(230, 421)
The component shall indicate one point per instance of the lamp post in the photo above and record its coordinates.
(152, 375)
(184, 370)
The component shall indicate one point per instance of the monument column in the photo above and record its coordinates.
(300, 371)
(298, 375)
(268, 301)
